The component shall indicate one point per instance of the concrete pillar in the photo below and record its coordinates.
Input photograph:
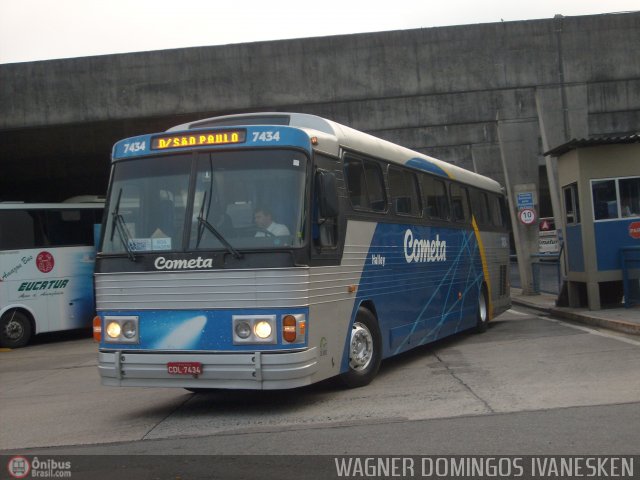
(519, 154)
(593, 295)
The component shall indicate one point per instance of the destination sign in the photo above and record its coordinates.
(198, 139)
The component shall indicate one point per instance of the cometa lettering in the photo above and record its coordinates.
(420, 250)
(43, 285)
(162, 263)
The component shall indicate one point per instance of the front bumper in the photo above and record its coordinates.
(254, 370)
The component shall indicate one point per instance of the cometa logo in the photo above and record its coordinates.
(420, 250)
(162, 263)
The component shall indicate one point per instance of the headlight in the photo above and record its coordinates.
(129, 329)
(113, 329)
(262, 329)
(121, 329)
(254, 329)
(243, 330)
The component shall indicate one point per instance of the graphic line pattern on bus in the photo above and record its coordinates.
(436, 283)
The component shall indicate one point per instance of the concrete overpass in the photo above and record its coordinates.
(471, 95)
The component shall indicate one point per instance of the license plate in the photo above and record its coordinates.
(184, 368)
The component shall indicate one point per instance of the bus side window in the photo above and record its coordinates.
(435, 193)
(496, 211)
(459, 203)
(480, 207)
(365, 184)
(404, 192)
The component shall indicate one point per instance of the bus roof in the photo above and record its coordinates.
(334, 137)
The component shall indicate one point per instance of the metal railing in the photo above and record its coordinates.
(546, 272)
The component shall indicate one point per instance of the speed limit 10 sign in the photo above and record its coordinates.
(527, 216)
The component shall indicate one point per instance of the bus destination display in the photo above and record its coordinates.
(198, 139)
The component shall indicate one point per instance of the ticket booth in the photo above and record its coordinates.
(600, 192)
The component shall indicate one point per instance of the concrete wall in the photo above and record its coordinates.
(442, 91)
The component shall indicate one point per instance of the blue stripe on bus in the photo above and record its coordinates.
(443, 292)
(427, 166)
(197, 329)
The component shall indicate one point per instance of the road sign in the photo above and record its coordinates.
(527, 216)
(525, 200)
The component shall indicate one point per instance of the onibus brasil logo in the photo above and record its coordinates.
(20, 467)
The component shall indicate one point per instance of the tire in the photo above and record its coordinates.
(15, 329)
(365, 351)
(201, 390)
(482, 314)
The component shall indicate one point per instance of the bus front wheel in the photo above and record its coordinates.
(15, 329)
(365, 351)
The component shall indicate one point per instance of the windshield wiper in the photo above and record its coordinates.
(120, 225)
(219, 236)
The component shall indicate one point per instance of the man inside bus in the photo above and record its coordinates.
(266, 225)
(627, 211)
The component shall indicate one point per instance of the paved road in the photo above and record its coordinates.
(530, 385)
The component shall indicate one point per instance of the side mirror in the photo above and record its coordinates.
(327, 194)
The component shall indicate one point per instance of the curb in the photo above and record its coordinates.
(617, 325)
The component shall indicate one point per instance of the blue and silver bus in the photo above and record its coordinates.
(275, 250)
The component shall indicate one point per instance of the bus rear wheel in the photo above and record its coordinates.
(15, 329)
(365, 351)
(483, 311)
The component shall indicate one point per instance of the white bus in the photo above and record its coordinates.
(271, 251)
(47, 256)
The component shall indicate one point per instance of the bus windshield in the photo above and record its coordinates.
(236, 200)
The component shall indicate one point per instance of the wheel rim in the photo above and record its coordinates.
(361, 347)
(14, 330)
(482, 308)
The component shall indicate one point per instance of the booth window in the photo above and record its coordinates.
(571, 205)
(605, 200)
(630, 197)
(616, 198)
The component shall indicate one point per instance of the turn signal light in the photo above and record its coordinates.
(289, 332)
(97, 329)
